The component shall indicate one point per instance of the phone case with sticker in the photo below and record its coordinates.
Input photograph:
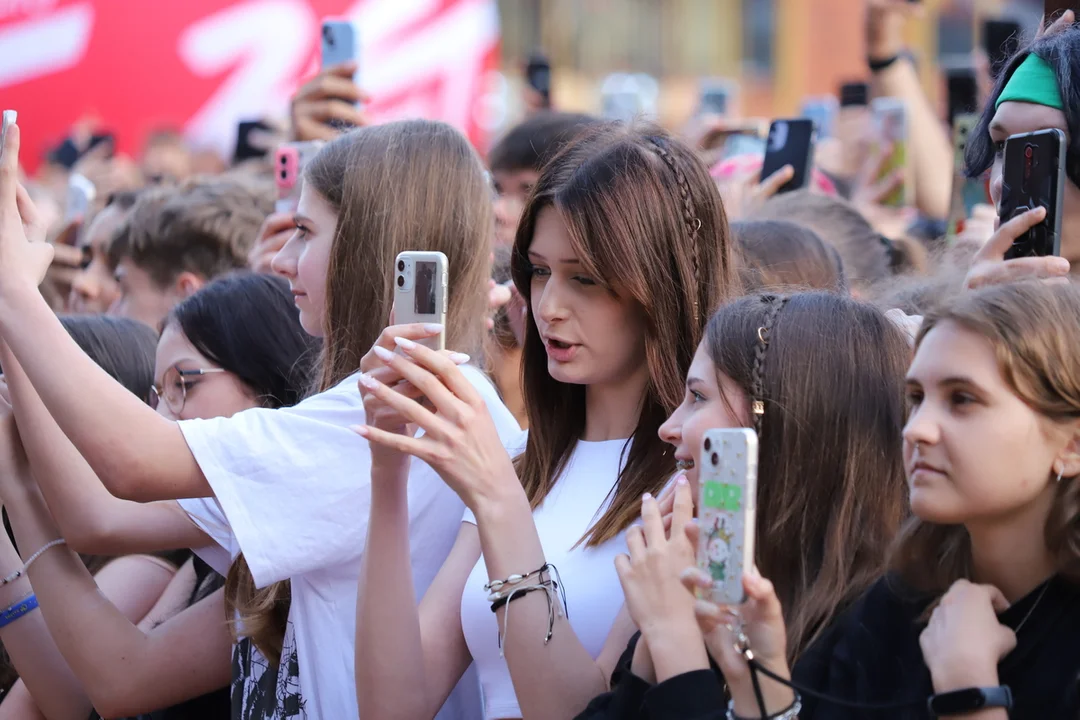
(726, 507)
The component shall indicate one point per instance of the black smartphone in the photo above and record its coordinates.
(538, 76)
(1034, 176)
(963, 93)
(854, 94)
(1001, 40)
(790, 142)
(249, 145)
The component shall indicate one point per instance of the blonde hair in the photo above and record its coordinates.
(1034, 330)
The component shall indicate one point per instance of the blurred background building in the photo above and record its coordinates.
(773, 49)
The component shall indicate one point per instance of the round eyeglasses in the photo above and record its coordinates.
(174, 387)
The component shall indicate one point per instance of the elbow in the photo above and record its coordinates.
(91, 538)
(113, 697)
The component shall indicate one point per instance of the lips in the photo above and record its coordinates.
(923, 469)
(684, 463)
(560, 350)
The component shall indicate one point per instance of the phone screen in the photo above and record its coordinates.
(425, 288)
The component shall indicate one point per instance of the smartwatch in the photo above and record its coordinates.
(959, 702)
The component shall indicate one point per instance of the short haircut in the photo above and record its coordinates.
(204, 226)
(531, 143)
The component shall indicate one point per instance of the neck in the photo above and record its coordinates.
(612, 410)
(1010, 553)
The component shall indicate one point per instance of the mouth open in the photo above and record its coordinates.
(684, 464)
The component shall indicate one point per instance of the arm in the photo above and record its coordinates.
(89, 517)
(928, 142)
(138, 454)
(123, 669)
(556, 680)
(19, 704)
(408, 659)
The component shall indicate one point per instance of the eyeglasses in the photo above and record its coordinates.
(174, 387)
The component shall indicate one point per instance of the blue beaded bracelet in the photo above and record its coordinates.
(16, 611)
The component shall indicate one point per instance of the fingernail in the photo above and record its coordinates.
(646, 497)
(367, 381)
(404, 343)
(681, 480)
(1060, 264)
(433, 328)
(383, 354)
(360, 430)
(459, 358)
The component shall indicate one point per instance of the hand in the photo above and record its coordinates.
(1053, 28)
(23, 263)
(991, 268)
(330, 96)
(870, 189)
(979, 228)
(498, 296)
(460, 440)
(274, 233)
(650, 572)
(743, 194)
(885, 20)
(517, 314)
(763, 623)
(964, 641)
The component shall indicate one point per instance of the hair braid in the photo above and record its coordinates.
(690, 218)
(757, 386)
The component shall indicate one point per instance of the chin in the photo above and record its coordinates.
(931, 507)
(312, 325)
(566, 373)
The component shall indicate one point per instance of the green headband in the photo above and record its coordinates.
(1033, 82)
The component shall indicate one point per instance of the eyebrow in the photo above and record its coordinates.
(565, 261)
(946, 381)
(691, 381)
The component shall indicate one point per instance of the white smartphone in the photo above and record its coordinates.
(80, 196)
(726, 507)
(420, 289)
(10, 116)
(341, 43)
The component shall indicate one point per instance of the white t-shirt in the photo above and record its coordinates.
(593, 593)
(292, 489)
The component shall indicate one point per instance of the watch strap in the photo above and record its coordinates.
(967, 700)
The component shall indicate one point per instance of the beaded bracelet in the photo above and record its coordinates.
(496, 586)
(30, 561)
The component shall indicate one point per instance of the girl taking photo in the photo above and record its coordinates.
(621, 253)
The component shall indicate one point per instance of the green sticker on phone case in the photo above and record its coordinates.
(723, 496)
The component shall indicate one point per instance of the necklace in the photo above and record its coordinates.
(1033, 606)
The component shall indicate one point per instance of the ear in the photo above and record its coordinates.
(188, 283)
(1068, 460)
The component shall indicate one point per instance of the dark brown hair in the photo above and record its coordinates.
(532, 142)
(1034, 330)
(644, 216)
(779, 254)
(411, 185)
(831, 487)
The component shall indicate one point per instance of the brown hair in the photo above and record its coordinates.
(867, 257)
(831, 488)
(780, 254)
(643, 215)
(1034, 331)
(205, 226)
(410, 185)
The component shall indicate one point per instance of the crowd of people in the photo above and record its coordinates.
(233, 486)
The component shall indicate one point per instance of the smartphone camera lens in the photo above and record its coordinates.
(284, 174)
(715, 459)
(401, 281)
(708, 444)
(401, 265)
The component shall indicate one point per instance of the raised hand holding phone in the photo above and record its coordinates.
(991, 268)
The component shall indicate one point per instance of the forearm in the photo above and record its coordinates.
(137, 453)
(675, 646)
(390, 676)
(929, 148)
(556, 679)
(55, 689)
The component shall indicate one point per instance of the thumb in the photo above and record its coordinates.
(997, 599)
(9, 168)
(1008, 232)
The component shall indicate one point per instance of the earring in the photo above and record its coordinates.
(1060, 471)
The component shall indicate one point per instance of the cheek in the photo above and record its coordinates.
(995, 183)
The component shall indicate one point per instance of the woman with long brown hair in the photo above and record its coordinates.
(980, 615)
(288, 487)
(622, 252)
(828, 374)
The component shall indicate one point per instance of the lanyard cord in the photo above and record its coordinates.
(742, 646)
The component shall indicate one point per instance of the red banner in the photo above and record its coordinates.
(204, 65)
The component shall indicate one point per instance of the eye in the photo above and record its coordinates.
(301, 231)
(537, 271)
(584, 280)
(696, 396)
(962, 398)
(914, 397)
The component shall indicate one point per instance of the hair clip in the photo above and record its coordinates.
(762, 335)
(759, 407)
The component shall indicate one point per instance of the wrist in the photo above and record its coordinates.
(778, 697)
(963, 675)
(498, 499)
(675, 647)
(16, 297)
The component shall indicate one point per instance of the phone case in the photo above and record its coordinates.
(340, 43)
(728, 474)
(790, 142)
(822, 111)
(890, 124)
(1034, 176)
(289, 162)
(420, 291)
(9, 118)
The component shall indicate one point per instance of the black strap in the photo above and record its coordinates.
(756, 667)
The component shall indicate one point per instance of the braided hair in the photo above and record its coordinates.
(775, 305)
(690, 218)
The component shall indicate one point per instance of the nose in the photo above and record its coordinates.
(549, 304)
(84, 286)
(671, 431)
(922, 426)
(284, 263)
